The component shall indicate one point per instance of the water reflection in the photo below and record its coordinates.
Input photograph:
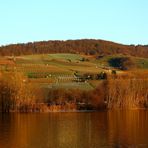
(74, 130)
(128, 128)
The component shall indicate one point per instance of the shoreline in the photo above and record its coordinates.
(78, 111)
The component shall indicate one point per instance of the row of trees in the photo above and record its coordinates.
(91, 47)
(90, 76)
(92, 99)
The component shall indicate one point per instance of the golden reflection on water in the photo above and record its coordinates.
(74, 130)
(128, 128)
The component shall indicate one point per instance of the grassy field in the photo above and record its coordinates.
(56, 63)
(142, 63)
(67, 56)
(57, 70)
(139, 62)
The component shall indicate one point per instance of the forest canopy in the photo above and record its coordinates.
(85, 46)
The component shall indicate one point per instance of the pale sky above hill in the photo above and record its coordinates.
(123, 21)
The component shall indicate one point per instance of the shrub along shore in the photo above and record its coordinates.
(125, 91)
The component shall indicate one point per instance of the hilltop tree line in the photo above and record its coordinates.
(85, 46)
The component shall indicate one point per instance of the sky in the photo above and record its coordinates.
(122, 21)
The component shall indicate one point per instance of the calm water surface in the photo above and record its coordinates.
(75, 130)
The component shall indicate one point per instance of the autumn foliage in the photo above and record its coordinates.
(16, 94)
(86, 46)
(125, 91)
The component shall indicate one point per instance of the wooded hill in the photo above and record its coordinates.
(86, 46)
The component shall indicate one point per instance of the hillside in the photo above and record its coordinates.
(66, 81)
(61, 69)
(85, 46)
(73, 75)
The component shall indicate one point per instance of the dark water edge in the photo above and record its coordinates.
(74, 110)
(107, 129)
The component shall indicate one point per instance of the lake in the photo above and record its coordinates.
(106, 129)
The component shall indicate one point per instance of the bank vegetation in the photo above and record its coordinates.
(125, 91)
